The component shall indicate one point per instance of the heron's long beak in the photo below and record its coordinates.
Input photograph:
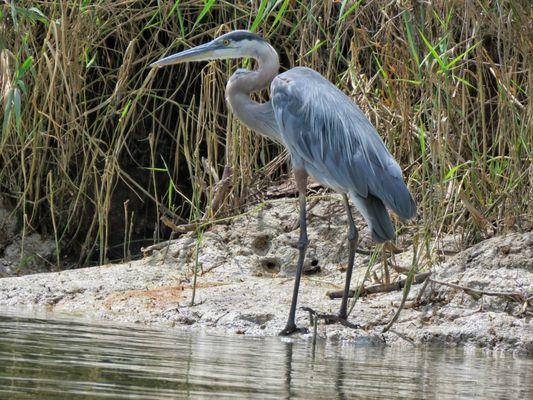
(204, 52)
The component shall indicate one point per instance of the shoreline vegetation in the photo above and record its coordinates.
(98, 151)
(102, 158)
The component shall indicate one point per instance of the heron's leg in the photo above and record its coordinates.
(301, 184)
(353, 237)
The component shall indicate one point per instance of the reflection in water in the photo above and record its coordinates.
(59, 358)
(288, 369)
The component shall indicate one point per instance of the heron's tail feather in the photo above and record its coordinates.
(376, 216)
(396, 196)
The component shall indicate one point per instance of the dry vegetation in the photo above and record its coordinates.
(95, 147)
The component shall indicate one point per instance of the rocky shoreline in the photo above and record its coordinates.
(477, 297)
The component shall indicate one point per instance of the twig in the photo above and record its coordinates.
(406, 290)
(221, 189)
(424, 277)
(399, 285)
(363, 251)
(314, 322)
(204, 223)
(330, 318)
(422, 289)
(196, 264)
(184, 228)
(516, 296)
(386, 269)
(404, 337)
(157, 246)
(172, 234)
(287, 189)
(392, 248)
(399, 269)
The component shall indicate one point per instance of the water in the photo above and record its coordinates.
(43, 358)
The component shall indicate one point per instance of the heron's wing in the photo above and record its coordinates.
(339, 146)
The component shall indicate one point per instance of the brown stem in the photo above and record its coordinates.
(419, 278)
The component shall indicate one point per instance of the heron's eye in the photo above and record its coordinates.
(225, 42)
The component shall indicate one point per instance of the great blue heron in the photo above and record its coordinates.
(326, 134)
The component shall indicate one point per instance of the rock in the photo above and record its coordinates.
(19, 255)
(259, 319)
(8, 225)
(31, 255)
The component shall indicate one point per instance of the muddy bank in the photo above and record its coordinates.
(245, 284)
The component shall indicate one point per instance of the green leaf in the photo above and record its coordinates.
(462, 55)
(17, 106)
(410, 39)
(125, 109)
(27, 63)
(453, 170)
(207, 6)
(153, 22)
(156, 169)
(40, 16)
(422, 139)
(24, 67)
(433, 52)
(279, 16)
(181, 22)
(352, 8)
(22, 86)
(260, 15)
(16, 101)
(464, 82)
(174, 8)
(89, 60)
(451, 173)
(316, 47)
(14, 15)
(380, 67)
(343, 6)
(412, 81)
(7, 111)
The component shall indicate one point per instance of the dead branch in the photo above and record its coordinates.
(157, 246)
(329, 318)
(477, 293)
(221, 189)
(391, 287)
(420, 278)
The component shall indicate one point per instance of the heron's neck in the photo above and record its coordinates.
(257, 116)
(253, 81)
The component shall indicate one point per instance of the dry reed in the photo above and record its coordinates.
(95, 146)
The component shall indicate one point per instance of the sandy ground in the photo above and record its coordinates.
(245, 285)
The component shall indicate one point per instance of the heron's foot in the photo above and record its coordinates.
(292, 328)
(331, 318)
(336, 319)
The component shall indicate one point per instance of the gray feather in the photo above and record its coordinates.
(377, 217)
(330, 136)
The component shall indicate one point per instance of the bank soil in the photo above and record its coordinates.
(476, 297)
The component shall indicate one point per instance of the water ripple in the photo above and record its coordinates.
(57, 358)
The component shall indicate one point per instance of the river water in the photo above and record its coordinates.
(59, 358)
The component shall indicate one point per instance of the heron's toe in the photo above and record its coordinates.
(291, 329)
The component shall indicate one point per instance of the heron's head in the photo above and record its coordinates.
(236, 44)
